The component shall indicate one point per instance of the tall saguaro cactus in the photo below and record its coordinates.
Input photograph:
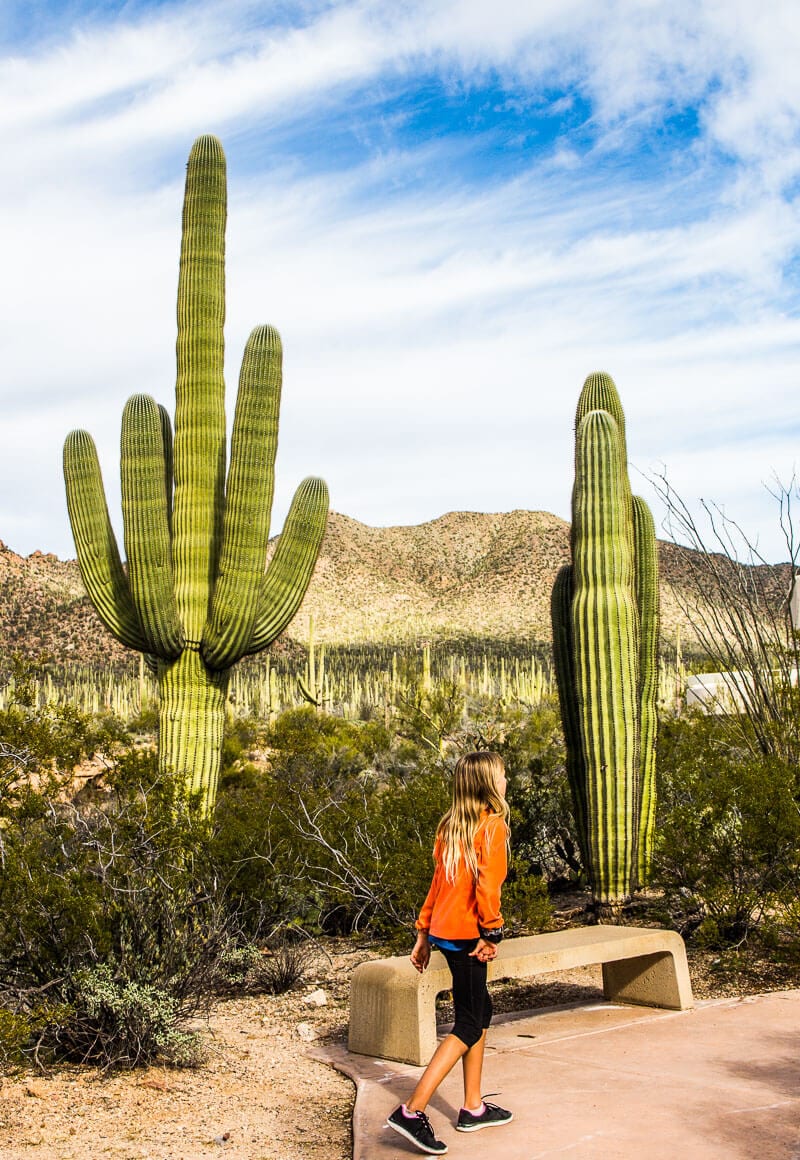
(605, 645)
(196, 597)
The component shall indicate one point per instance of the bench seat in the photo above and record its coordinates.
(393, 1007)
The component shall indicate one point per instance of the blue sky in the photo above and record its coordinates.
(452, 211)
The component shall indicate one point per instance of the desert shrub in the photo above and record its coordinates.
(242, 734)
(368, 851)
(341, 855)
(113, 1022)
(338, 833)
(290, 959)
(526, 900)
(431, 717)
(37, 743)
(314, 749)
(238, 965)
(21, 1031)
(729, 832)
(280, 965)
(112, 911)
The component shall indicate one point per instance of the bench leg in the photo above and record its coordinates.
(395, 1021)
(657, 980)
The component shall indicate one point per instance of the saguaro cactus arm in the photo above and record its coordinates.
(169, 463)
(647, 599)
(95, 542)
(146, 521)
(289, 573)
(564, 662)
(248, 502)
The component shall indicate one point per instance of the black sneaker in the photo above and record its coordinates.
(418, 1130)
(489, 1118)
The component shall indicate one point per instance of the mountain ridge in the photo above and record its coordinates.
(461, 575)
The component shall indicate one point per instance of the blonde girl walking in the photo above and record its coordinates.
(461, 916)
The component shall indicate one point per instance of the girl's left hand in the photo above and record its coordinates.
(421, 954)
(484, 952)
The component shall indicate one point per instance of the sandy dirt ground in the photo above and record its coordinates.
(258, 1095)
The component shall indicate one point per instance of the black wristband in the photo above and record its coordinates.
(492, 936)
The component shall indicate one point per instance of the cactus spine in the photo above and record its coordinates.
(605, 643)
(196, 598)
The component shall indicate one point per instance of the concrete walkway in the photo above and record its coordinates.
(606, 1082)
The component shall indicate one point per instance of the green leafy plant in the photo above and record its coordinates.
(543, 829)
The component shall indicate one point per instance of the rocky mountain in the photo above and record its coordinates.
(465, 574)
(44, 611)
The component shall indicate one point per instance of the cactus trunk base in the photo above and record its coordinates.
(191, 723)
(609, 913)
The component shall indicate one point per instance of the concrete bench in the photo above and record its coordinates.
(393, 1007)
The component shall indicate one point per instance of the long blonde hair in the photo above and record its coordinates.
(475, 788)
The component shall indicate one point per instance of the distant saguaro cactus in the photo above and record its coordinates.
(196, 597)
(605, 644)
(312, 683)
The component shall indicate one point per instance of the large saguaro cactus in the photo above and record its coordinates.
(605, 645)
(606, 639)
(196, 598)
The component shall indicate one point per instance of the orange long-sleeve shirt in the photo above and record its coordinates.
(460, 909)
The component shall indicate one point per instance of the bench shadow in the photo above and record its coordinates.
(515, 996)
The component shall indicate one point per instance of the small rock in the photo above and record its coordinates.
(306, 1032)
(317, 998)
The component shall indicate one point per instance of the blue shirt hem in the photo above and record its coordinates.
(451, 944)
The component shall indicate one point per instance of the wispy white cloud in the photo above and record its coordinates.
(437, 323)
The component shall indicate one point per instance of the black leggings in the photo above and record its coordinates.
(471, 999)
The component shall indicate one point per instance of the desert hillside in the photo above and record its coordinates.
(465, 574)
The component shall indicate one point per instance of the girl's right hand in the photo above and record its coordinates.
(421, 954)
(484, 952)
